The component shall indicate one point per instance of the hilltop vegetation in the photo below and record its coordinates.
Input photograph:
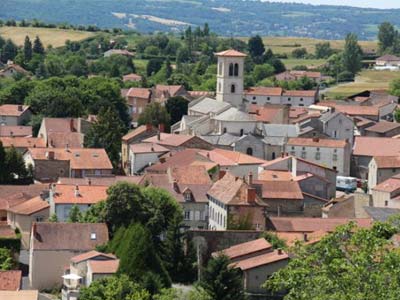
(228, 18)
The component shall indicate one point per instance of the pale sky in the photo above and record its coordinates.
(358, 3)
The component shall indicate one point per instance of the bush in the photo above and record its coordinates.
(345, 76)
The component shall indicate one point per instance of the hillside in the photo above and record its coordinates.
(49, 36)
(225, 17)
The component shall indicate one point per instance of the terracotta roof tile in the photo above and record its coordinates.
(12, 110)
(88, 194)
(147, 148)
(132, 76)
(231, 53)
(230, 158)
(296, 93)
(372, 146)
(104, 266)
(390, 185)
(167, 139)
(68, 236)
(170, 90)
(105, 181)
(15, 131)
(353, 110)
(6, 232)
(138, 132)
(383, 127)
(388, 162)
(22, 142)
(243, 249)
(30, 207)
(264, 91)
(291, 238)
(266, 114)
(143, 93)
(19, 295)
(11, 195)
(10, 280)
(261, 260)
(90, 255)
(280, 190)
(310, 142)
(63, 139)
(313, 224)
(272, 175)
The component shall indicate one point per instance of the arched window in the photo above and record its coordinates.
(231, 69)
(241, 132)
(233, 88)
(220, 69)
(249, 151)
(236, 70)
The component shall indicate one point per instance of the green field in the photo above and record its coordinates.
(366, 80)
(49, 36)
(314, 63)
(285, 45)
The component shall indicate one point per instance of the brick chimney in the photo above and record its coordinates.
(221, 174)
(71, 125)
(161, 127)
(20, 108)
(315, 139)
(251, 195)
(280, 251)
(176, 186)
(50, 155)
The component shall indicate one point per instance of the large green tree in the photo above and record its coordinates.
(221, 281)
(27, 49)
(176, 107)
(351, 263)
(106, 133)
(386, 36)
(154, 114)
(6, 260)
(9, 51)
(352, 54)
(38, 47)
(256, 48)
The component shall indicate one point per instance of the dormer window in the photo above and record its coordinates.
(187, 195)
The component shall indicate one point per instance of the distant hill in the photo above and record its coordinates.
(225, 17)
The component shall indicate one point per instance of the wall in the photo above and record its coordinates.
(141, 160)
(343, 126)
(252, 142)
(235, 127)
(198, 215)
(48, 169)
(62, 210)
(379, 199)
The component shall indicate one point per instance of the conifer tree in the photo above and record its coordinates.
(38, 46)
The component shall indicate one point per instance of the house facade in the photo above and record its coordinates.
(14, 115)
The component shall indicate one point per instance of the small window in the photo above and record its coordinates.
(230, 69)
(292, 147)
(301, 104)
(394, 170)
(224, 130)
(233, 89)
(386, 203)
(268, 98)
(236, 69)
(188, 197)
(289, 99)
(241, 132)
(249, 151)
(254, 97)
(303, 148)
(301, 99)
(93, 236)
(317, 148)
(187, 215)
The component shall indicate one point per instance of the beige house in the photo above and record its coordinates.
(54, 244)
(258, 261)
(84, 269)
(13, 114)
(382, 168)
(23, 215)
(387, 193)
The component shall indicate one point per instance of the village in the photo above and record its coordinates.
(244, 176)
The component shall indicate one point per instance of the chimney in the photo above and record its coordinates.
(282, 154)
(176, 186)
(152, 148)
(257, 112)
(158, 135)
(280, 252)
(50, 155)
(11, 134)
(149, 127)
(71, 125)
(250, 178)
(76, 191)
(305, 237)
(10, 62)
(161, 127)
(251, 195)
(20, 108)
(221, 174)
(162, 160)
(315, 139)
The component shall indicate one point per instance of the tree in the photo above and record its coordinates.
(153, 66)
(256, 48)
(323, 50)
(352, 54)
(15, 165)
(112, 288)
(397, 115)
(221, 281)
(154, 114)
(274, 240)
(106, 133)
(53, 218)
(27, 49)
(9, 51)
(6, 260)
(138, 259)
(263, 71)
(96, 213)
(74, 214)
(176, 107)
(3, 165)
(362, 262)
(38, 46)
(299, 52)
(394, 87)
(386, 36)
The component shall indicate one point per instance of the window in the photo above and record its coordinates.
(303, 154)
(394, 170)
(93, 236)
(334, 157)
(303, 148)
(268, 98)
(386, 203)
(254, 97)
(39, 219)
(293, 153)
(230, 69)
(318, 155)
(273, 155)
(233, 88)
(301, 104)
(249, 151)
(219, 86)
(301, 99)
(224, 130)
(188, 196)
(236, 69)
(292, 147)
(334, 167)
(187, 215)
(241, 132)
(220, 68)
(289, 99)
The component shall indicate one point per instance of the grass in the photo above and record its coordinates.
(49, 36)
(140, 65)
(366, 80)
(285, 45)
(291, 62)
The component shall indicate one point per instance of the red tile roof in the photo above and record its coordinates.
(272, 175)
(311, 142)
(68, 236)
(15, 130)
(353, 110)
(230, 158)
(387, 162)
(280, 190)
(231, 53)
(105, 181)
(104, 266)
(90, 255)
(383, 127)
(168, 90)
(296, 93)
(29, 207)
(168, 139)
(291, 238)
(372, 146)
(22, 142)
(10, 280)
(79, 158)
(132, 76)
(88, 194)
(244, 249)
(11, 195)
(313, 224)
(6, 231)
(266, 114)
(390, 185)
(264, 91)
(12, 110)
(261, 260)
(143, 93)
(147, 148)
(139, 131)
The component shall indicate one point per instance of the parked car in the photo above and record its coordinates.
(346, 184)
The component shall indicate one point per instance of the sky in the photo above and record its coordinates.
(358, 3)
